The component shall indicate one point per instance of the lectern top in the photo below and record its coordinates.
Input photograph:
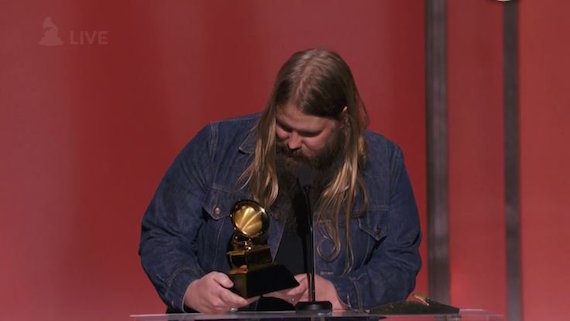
(464, 315)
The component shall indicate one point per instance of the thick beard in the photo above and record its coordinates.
(323, 160)
(325, 165)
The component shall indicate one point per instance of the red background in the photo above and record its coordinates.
(87, 131)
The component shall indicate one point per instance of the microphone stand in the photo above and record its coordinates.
(311, 306)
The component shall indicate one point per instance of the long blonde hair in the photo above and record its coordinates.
(319, 83)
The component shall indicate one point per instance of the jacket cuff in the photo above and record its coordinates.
(178, 287)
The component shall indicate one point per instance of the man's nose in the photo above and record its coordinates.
(294, 141)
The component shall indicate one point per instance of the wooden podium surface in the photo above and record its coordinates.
(463, 315)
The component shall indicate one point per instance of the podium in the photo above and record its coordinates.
(463, 315)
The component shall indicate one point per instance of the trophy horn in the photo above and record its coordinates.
(249, 219)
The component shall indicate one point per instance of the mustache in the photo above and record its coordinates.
(283, 149)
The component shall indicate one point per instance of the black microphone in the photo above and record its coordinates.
(305, 180)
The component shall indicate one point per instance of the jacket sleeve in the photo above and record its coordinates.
(172, 220)
(390, 273)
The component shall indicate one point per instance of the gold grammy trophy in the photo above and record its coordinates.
(252, 268)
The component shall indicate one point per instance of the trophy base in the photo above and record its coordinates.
(309, 307)
(261, 280)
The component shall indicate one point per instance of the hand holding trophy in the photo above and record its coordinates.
(252, 268)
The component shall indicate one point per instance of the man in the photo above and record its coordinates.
(365, 216)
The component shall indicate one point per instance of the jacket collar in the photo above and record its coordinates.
(248, 144)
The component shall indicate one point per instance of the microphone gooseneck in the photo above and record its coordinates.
(305, 180)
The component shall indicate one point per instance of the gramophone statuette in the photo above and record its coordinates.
(252, 268)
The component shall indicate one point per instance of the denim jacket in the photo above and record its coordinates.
(186, 228)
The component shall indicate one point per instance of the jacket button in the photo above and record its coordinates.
(217, 211)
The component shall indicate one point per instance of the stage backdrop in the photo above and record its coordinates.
(477, 228)
(97, 98)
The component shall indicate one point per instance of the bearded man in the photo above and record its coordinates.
(365, 217)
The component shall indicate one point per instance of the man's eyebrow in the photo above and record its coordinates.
(308, 132)
(300, 132)
(283, 125)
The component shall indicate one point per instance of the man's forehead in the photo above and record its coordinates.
(294, 118)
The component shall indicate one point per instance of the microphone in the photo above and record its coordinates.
(305, 180)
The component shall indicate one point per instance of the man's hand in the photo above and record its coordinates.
(211, 294)
(292, 295)
(324, 291)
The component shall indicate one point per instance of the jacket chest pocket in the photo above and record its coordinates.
(372, 223)
(366, 233)
(217, 229)
(219, 202)
(371, 232)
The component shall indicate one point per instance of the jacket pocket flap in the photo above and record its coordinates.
(371, 223)
(219, 203)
